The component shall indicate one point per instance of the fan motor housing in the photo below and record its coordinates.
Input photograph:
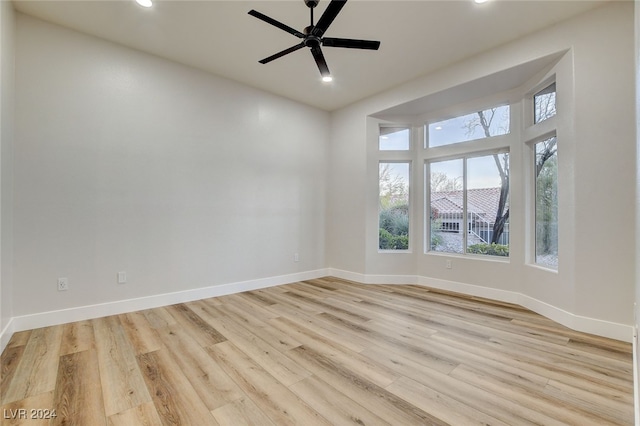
(311, 3)
(312, 41)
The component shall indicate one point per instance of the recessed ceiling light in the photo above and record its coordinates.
(480, 1)
(145, 3)
(438, 127)
(327, 79)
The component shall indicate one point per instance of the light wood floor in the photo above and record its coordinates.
(319, 352)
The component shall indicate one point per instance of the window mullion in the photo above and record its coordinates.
(465, 217)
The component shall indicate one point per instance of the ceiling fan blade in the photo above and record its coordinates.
(328, 16)
(350, 43)
(275, 23)
(322, 64)
(281, 54)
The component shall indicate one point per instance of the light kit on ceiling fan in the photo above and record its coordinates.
(312, 36)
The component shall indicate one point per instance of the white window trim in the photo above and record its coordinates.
(534, 133)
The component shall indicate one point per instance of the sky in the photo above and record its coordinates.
(481, 171)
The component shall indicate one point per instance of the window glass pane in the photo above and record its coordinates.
(393, 206)
(547, 203)
(394, 139)
(446, 208)
(479, 125)
(544, 103)
(488, 205)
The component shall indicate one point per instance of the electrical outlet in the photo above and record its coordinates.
(63, 284)
(122, 277)
(296, 257)
(448, 264)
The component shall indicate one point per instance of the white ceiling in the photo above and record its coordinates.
(417, 37)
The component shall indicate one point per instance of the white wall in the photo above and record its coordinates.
(128, 162)
(6, 166)
(596, 279)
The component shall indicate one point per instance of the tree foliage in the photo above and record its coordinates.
(393, 210)
(393, 188)
(441, 182)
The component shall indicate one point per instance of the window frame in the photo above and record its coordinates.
(534, 188)
(542, 92)
(409, 205)
(395, 126)
(457, 113)
(427, 201)
(535, 133)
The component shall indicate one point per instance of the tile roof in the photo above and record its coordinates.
(482, 201)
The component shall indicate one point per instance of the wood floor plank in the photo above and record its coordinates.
(337, 407)
(158, 317)
(214, 316)
(243, 303)
(8, 365)
(20, 412)
(602, 407)
(269, 358)
(38, 366)
(552, 407)
(281, 405)
(241, 412)
(489, 403)
(140, 333)
(450, 410)
(520, 360)
(260, 351)
(175, 399)
(333, 333)
(376, 399)
(329, 308)
(350, 360)
(77, 337)
(214, 387)
(123, 386)
(405, 364)
(19, 339)
(241, 316)
(310, 291)
(141, 415)
(78, 392)
(300, 304)
(414, 348)
(202, 332)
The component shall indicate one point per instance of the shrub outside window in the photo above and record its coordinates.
(546, 203)
(393, 206)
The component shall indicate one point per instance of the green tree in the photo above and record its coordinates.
(393, 187)
(441, 182)
(546, 197)
(393, 210)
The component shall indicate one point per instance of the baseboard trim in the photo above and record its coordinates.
(584, 324)
(5, 335)
(576, 322)
(63, 316)
(636, 373)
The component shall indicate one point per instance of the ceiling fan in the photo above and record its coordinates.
(312, 36)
